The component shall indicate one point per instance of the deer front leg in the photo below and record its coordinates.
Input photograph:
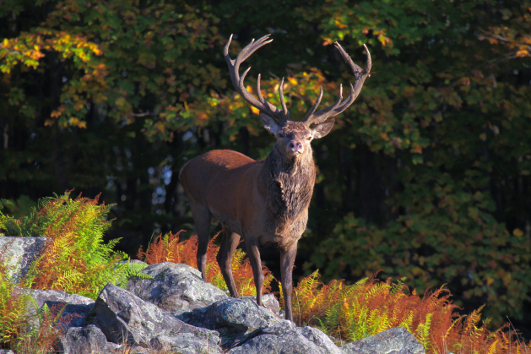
(202, 217)
(287, 259)
(229, 243)
(253, 252)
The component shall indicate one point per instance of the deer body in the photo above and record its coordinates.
(265, 202)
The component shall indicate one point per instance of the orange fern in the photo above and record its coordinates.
(169, 248)
(353, 312)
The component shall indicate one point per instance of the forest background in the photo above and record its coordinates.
(427, 176)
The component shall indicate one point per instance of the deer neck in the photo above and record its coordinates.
(288, 184)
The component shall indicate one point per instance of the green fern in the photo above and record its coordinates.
(423, 332)
(82, 263)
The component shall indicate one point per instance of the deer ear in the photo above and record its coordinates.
(270, 124)
(322, 129)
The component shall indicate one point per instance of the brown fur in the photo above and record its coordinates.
(266, 201)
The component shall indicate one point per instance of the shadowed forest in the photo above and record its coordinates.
(426, 176)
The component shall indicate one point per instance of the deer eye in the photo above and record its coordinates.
(309, 138)
(280, 135)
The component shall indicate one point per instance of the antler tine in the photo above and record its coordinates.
(258, 90)
(338, 107)
(316, 104)
(234, 66)
(281, 94)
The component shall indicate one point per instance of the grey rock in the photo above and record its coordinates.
(320, 339)
(269, 301)
(175, 287)
(285, 338)
(141, 350)
(125, 318)
(393, 341)
(76, 307)
(6, 351)
(242, 315)
(184, 344)
(17, 253)
(235, 319)
(85, 340)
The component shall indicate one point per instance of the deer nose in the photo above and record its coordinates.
(295, 146)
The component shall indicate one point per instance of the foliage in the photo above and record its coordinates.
(77, 260)
(169, 248)
(12, 308)
(427, 175)
(369, 306)
(22, 331)
(476, 256)
(40, 334)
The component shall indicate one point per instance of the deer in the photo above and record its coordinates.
(265, 202)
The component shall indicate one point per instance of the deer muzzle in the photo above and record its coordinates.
(295, 147)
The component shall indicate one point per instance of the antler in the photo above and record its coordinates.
(281, 116)
(313, 117)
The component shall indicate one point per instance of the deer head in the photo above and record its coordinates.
(294, 137)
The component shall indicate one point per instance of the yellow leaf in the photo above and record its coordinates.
(255, 110)
(6, 42)
(292, 80)
(518, 233)
(483, 136)
(120, 101)
(417, 149)
(160, 127)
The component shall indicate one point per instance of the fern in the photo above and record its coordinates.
(77, 260)
(169, 248)
(370, 306)
(423, 331)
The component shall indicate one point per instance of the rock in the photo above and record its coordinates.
(125, 318)
(235, 319)
(269, 301)
(6, 351)
(242, 315)
(85, 340)
(285, 338)
(320, 339)
(76, 307)
(393, 341)
(17, 253)
(184, 344)
(175, 287)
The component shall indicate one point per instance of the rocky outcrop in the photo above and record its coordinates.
(17, 253)
(74, 308)
(176, 312)
(85, 340)
(393, 341)
(284, 337)
(176, 288)
(125, 318)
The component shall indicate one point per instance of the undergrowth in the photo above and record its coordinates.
(27, 331)
(370, 306)
(76, 260)
(352, 312)
(169, 248)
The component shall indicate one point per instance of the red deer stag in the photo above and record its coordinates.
(265, 202)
